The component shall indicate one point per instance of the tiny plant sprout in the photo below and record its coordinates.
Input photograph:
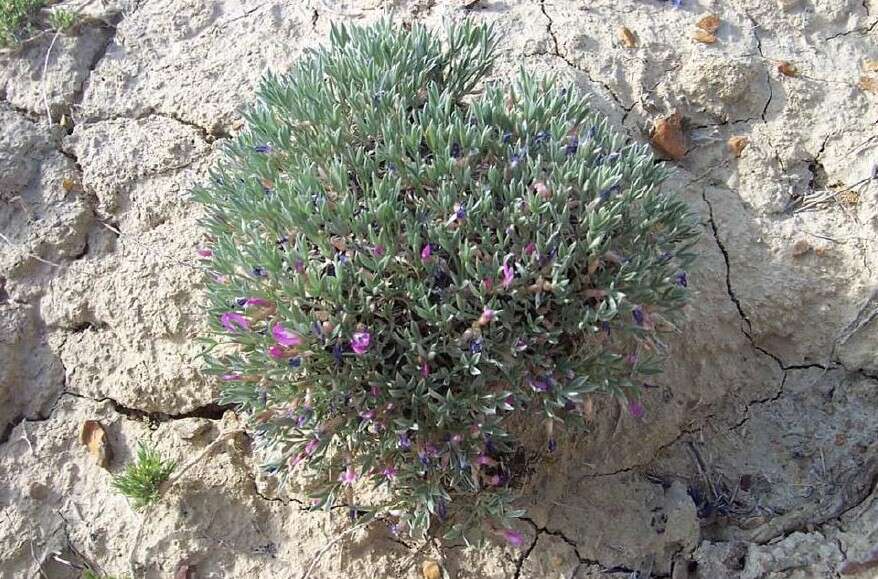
(438, 254)
(141, 480)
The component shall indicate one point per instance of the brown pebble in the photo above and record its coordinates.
(737, 145)
(840, 439)
(868, 83)
(787, 68)
(801, 247)
(430, 570)
(627, 38)
(667, 136)
(68, 184)
(709, 23)
(704, 36)
(94, 437)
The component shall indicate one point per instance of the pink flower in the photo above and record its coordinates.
(285, 337)
(488, 283)
(234, 377)
(378, 250)
(636, 409)
(375, 390)
(426, 253)
(204, 252)
(233, 321)
(348, 477)
(508, 273)
(389, 472)
(257, 303)
(514, 538)
(277, 352)
(425, 369)
(530, 248)
(297, 459)
(487, 316)
(360, 342)
(484, 460)
(312, 446)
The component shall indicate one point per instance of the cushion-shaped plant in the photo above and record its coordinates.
(398, 266)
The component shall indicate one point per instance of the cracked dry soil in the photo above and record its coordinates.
(759, 454)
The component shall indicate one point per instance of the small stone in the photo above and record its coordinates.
(801, 247)
(38, 491)
(787, 68)
(704, 37)
(68, 184)
(737, 145)
(189, 428)
(709, 23)
(667, 136)
(94, 437)
(627, 38)
(431, 570)
(870, 65)
(868, 83)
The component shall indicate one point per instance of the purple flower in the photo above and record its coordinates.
(312, 446)
(682, 279)
(460, 211)
(336, 353)
(425, 369)
(297, 459)
(262, 148)
(378, 250)
(530, 248)
(348, 477)
(507, 137)
(514, 538)
(508, 273)
(405, 441)
(233, 377)
(637, 313)
(233, 321)
(204, 252)
(552, 445)
(277, 352)
(367, 414)
(484, 460)
(605, 327)
(299, 266)
(295, 362)
(488, 283)
(635, 409)
(475, 346)
(285, 337)
(389, 472)
(258, 271)
(520, 345)
(631, 358)
(360, 342)
(540, 385)
(609, 192)
(426, 253)
(572, 146)
(257, 303)
(487, 316)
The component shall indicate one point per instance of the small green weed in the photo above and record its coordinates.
(62, 19)
(141, 480)
(16, 18)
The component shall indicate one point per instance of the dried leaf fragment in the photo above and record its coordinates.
(787, 68)
(627, 38)
(869, 84)
(430, 570)
(801, 247)
(704, 36)
(737, 145)
(667, 136)
(94, 437)
(870, 65)
(709, 23)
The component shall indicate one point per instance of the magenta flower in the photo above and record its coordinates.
(204, 252)
(530, 248)
(487, 316)
(425, 369)
(375, 390)
(233, 321)
(484, 460)
(277, 352)
(514, 538)
(378, 250)
(508, 273)
(360, 342)
(285, 337)
(348, 477)
(234, 377)
(636, 409)
(297, 459)
(389, 472)
(257, 303)
(312, 446)
(488, 283)
(426, 253)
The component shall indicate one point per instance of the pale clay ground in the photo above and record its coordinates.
(759, 453)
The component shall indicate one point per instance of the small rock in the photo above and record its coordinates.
(801, 247)
(737, 145)
(667, 136)
(94, 437)
(184, 571)
(68, 184)
(788, 5)
(704, 36)
(627, 38)
(868, 83)
(787, 68)
(38, 491)
(709, 23)
(431, 570)
(189, 428)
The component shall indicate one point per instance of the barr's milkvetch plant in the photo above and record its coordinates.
(398, 265)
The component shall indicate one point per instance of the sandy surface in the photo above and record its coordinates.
(758, 456)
